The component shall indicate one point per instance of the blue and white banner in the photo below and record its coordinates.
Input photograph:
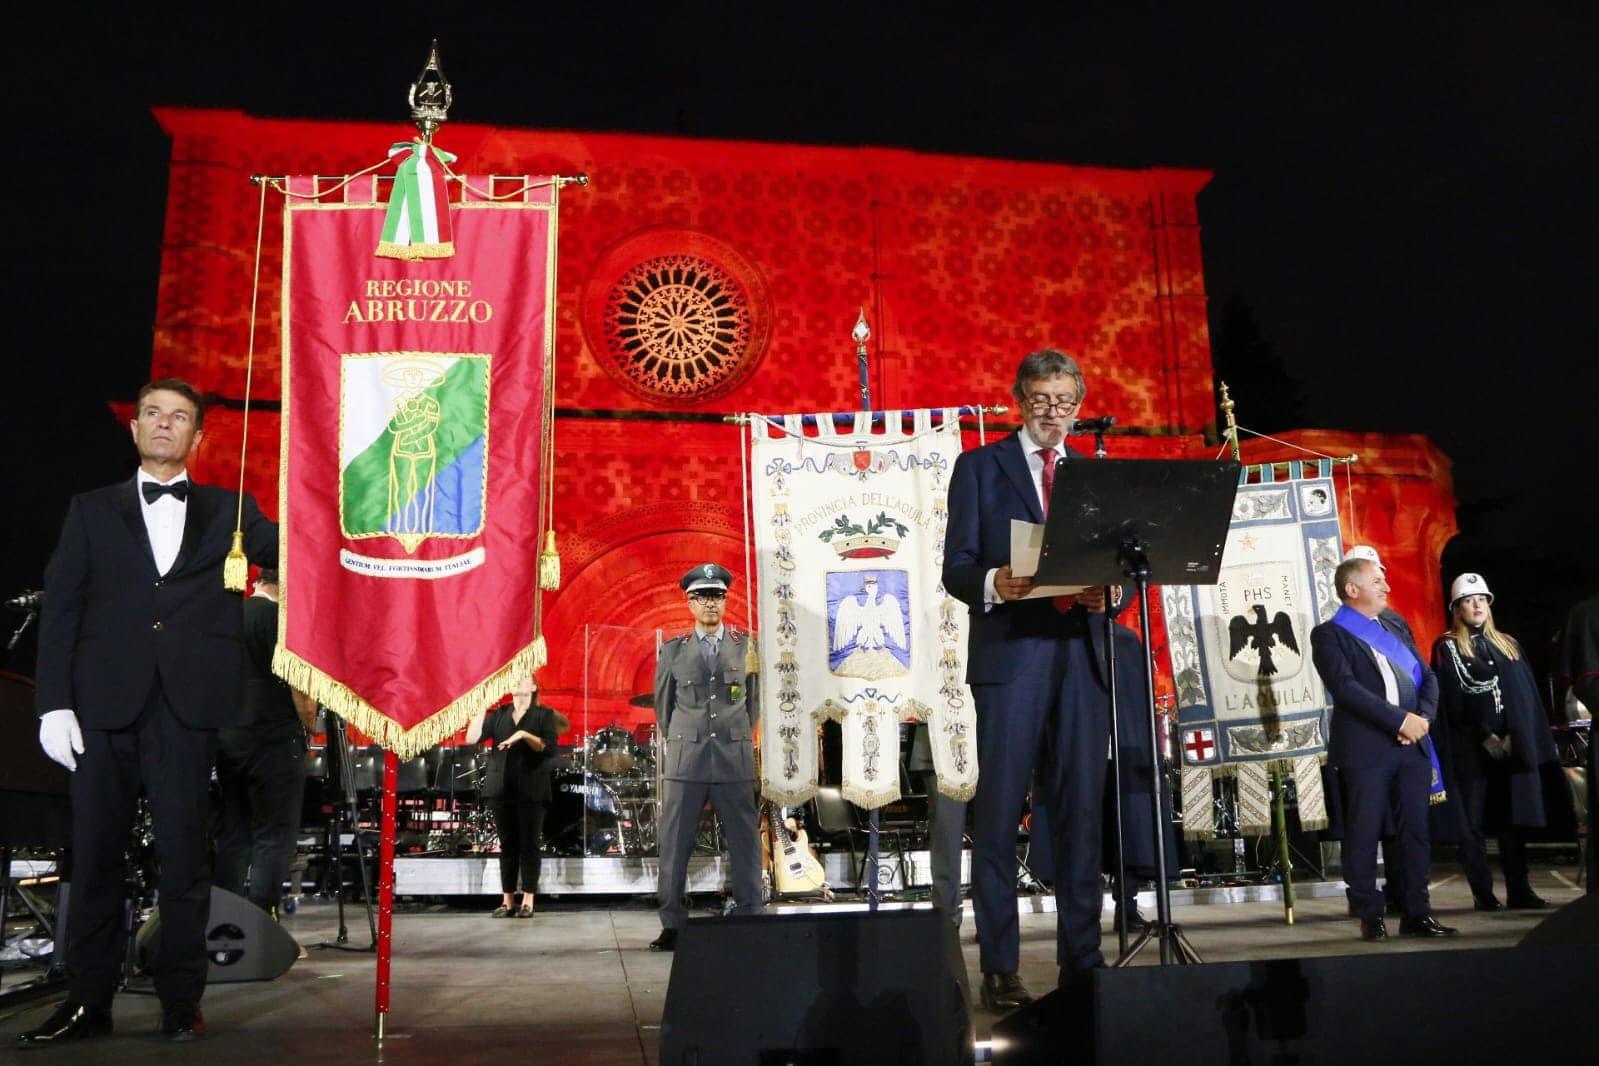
(855, 623)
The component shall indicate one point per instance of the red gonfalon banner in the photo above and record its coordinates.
(416, 424)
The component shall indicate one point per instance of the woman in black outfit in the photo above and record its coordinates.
(1496, 736)
(523, 732)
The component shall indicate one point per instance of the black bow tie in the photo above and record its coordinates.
(178, 489)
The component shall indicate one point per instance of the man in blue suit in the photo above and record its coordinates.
(1039, 702)
(1384, 700)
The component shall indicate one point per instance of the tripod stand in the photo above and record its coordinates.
(1145, 520)
(343, 811)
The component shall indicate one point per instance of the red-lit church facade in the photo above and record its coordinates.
(962, 265)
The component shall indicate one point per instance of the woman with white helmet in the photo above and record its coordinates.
(1496, 738)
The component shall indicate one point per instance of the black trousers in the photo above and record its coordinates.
(521, 826)
(171, 763)
(262, 782)
(1485, 807)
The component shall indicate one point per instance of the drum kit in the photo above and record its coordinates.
(605, 801)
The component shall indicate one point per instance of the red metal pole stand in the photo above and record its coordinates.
(391, 771)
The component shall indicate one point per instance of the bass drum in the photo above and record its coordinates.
(582, 815)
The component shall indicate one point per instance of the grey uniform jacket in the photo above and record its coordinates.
(707, 719)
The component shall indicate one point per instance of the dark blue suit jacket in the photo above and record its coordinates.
(988, 488)
(1365, 726)
(111, 624)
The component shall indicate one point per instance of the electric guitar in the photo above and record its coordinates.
(795, 867)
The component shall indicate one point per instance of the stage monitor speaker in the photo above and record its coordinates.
(818, 988)
(1412, 1007)
(1575, 923)
(242, 941)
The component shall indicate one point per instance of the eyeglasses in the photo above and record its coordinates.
(708, 596)
(1039, 405)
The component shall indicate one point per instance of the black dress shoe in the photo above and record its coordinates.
(667, 941)
(1529, 901)
(1373, 929)
(71, 1021)
(1490, 902)
(1004, 991)
(1428, 926)
(182, 1021)
(1136, 923)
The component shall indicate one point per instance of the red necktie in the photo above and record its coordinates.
(1048, 455)
(1062, 603)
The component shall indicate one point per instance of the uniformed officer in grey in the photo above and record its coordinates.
(705, 708)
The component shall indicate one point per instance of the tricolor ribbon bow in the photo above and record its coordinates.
(417, 225)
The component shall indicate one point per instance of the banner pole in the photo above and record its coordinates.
(391, 770)
(1279, 784)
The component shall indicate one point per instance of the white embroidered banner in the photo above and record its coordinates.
(855, 623)
(1247, 693)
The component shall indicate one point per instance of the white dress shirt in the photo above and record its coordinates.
(163, 520)
(1034, 453)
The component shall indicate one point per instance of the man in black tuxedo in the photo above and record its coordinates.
(1040, 704)
(139, 664)
(1384, 700)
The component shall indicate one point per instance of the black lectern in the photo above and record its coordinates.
(1151, 520)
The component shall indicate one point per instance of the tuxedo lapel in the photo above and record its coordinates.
(196, 514)
(126, 503)
(1013, 461)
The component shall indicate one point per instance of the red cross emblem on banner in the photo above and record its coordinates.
(1199, 743)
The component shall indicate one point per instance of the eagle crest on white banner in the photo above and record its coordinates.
(856, 625)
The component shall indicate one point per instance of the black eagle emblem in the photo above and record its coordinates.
(1262, 636)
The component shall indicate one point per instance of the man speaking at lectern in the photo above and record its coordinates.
(1041, 708)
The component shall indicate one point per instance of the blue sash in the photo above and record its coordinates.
(1369, 631)
(1372, 632)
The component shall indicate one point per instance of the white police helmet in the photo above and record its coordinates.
(1468, 585)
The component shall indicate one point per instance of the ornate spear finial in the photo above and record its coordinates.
(430, 96)
(860, 335)
(1231, 432)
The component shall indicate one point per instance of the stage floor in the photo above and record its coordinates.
(577, 984)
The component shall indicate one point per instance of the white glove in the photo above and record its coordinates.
(60, 737)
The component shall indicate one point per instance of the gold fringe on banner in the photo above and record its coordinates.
(384, 731)
(390, 250)
(549, 564)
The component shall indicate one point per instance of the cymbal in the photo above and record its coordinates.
(643, 699)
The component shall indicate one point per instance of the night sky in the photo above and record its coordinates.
(1404, 205)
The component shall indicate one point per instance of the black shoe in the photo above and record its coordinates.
(1427, 926)
(1490, 902)
(1004, 991)
(1373, 929)
(667, 941)
(182, 1021)
(71, 1021)
(1136, 923)
(1526, 901)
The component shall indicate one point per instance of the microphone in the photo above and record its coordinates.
(27, 601)
(1091, 425)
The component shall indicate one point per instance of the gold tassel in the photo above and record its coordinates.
(752, 658)
(236, 569)
(549, 564)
